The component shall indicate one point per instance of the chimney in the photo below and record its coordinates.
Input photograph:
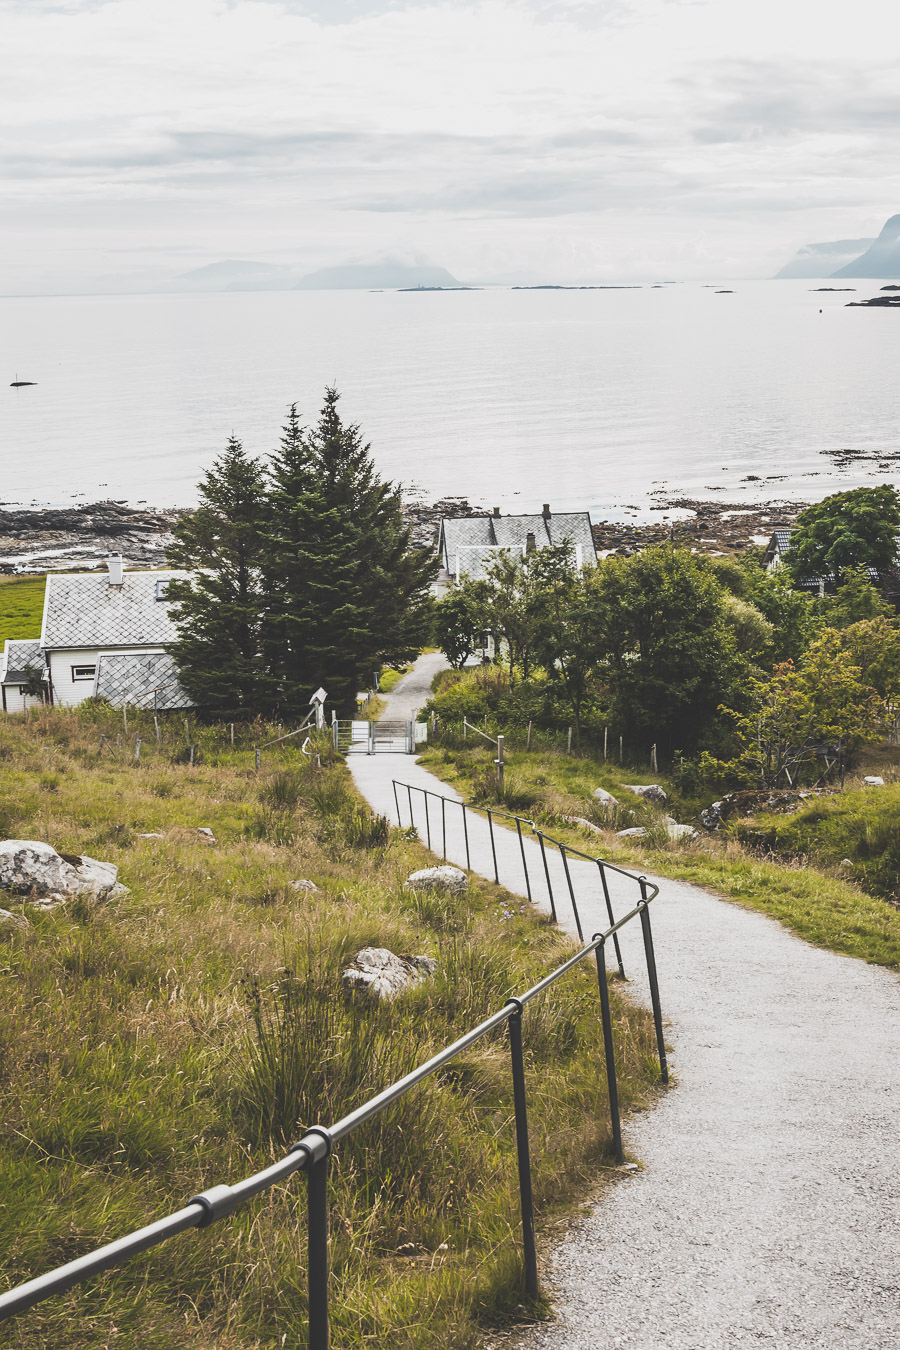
(530, 542)
(546, 511)
(496, 510)
(114, 563)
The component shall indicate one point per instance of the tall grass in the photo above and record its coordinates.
(182, 1035)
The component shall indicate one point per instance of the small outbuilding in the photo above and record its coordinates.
(20, 662)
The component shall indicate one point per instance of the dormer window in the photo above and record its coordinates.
(161, 588)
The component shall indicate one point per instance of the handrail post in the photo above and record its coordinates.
(425, 793)
(609, 911)
(654, 982)
(562, 851)
(493, 845)
(397, 805)
(609, 1052)
(317, 1222)
(524, 859)
(547, 875)
(523, 1154)
(466, 836)
(412, 823)
(444, 826)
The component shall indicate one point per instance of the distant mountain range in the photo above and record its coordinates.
(874, 258)
(236, 275)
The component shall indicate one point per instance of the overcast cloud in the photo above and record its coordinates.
(507, 140)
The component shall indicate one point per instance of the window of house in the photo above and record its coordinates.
(83, 672)
(161, 588)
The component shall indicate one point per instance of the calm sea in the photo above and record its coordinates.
(512, 398)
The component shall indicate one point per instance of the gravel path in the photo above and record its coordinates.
(767, 1210)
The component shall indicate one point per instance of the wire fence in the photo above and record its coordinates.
(312, 1152)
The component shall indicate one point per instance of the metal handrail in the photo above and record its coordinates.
(311, 1153)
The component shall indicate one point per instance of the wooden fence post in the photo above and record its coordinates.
(137, 751)
(653, 757)
(528, 741)
(499, 762)
(620, 749)
(605, 734)
(569, 742)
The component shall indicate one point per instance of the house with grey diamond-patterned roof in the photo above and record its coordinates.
(469, 544)
(106, 634)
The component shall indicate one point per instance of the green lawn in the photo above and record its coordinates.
(21, 607)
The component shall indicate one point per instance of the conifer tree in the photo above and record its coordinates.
(346, 591)
(220, 608)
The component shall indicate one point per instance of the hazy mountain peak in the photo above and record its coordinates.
(820, 260)
(881, 259)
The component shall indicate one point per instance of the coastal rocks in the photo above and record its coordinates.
(379, 972)
(80, 536)
(651, 792)
(873, 780)
(29, 867)
(303, 885)
(605, 798)
(635, 832)
(444, 878)
(207, 833)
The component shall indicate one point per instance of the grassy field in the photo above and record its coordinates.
(21, 607)
(824, 908)
(183, 1035)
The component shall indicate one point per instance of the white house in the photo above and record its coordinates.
(19, 660)
(468, 544)
(106, 634)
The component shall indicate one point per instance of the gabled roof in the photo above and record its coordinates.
(83, 610)
(19, 657)
(131, 678)
(482, 532)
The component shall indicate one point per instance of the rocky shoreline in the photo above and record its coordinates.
(79, 538)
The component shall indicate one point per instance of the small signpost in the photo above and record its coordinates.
(318, 705)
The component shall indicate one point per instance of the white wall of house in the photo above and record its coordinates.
(15, 700)
(73, 671)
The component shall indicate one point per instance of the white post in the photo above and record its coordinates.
(499, 762)
(653, 757)
(605, 734)
(137, 752)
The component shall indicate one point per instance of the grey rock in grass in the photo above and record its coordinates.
(207, 833)
(676, 831)
(303, 885)
(444, 878)
(606, 798)
(30, 867)
(652, 792)
(585, 824)
(381, 973)
(150, 836)
(636, 832)
(10, 922)
(873, 780)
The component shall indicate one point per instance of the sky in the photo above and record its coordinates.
(507, 140)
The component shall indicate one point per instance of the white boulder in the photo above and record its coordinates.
(207, 833)
(301, 884)
(606, 798)
(636, 832)
(381, 973)
(29, 867)
(651, 791)
(444, 878)
(873, 780)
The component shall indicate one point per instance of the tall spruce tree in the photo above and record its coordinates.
(346, 591)
(220, 608)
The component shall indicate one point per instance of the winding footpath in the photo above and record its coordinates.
(767, 1208)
